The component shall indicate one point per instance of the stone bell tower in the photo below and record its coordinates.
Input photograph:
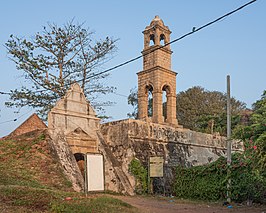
(157, 76)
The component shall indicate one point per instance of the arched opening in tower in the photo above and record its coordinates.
(152, 40)
(149, 91)
(162, 39)
(165, 104)
(81, 163)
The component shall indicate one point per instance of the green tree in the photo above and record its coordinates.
(205, 111)
(200, 110)
(254, 135)
(132, 100)
(53, 59)
(248, 168)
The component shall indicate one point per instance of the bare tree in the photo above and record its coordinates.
(55, 58)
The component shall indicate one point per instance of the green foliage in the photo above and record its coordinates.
(254, 135)
(209, 182)
(200, 182)
(205, 111)
(133, 101)
(197, 109)
(140, 174)
(53, 59)
(247, 171)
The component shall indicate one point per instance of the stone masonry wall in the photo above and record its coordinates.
(134, 138)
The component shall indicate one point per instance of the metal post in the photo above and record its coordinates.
(228, 140)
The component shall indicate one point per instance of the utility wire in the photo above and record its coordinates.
(15, 119)
(120, 94)
(4, 93)
(194, 30)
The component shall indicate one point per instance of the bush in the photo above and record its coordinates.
(210, 182)
(140, 174)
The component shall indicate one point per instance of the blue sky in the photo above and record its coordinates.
(235, 45)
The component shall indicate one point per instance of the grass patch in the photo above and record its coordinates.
(41, 200)
(28, 162)
(96, 204)
(31, 180)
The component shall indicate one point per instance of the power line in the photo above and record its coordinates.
(194, 30)
(5, 93)
(15, 119)
(120, 94)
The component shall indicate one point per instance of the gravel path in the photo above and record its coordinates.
(172, 205)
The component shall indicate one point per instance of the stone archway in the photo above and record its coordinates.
(169, 109)
(81, 162)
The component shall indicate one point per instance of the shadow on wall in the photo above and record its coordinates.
(81, 163)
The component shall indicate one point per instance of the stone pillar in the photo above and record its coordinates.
(167, 40)
(142, 106)
(157, 37)
(146, 40)
(171, 109)
(157, 116)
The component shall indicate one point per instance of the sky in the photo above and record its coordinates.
(234, 46)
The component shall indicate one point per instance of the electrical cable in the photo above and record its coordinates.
(194, 30)
(5, 93)
(118, 94)
(15, 119)
(175, 40)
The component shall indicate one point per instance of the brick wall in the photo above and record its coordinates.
(31, 124)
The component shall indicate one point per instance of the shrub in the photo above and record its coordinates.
(140, 174)
(210, 182)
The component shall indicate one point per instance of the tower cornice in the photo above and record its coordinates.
(156, 69)
(149, 29)
(156, 48)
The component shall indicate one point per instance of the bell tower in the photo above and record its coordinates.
(157, 76)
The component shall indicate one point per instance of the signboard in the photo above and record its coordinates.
(156, 166)
(95, 173)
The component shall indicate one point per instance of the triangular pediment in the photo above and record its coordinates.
(79, 133)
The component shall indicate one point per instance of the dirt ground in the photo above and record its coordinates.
(173, 205)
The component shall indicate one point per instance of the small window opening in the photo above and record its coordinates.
(162, 39)
(152, 40)
(164, 105)
(150, 105)
(149, 90)
(166, 91)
